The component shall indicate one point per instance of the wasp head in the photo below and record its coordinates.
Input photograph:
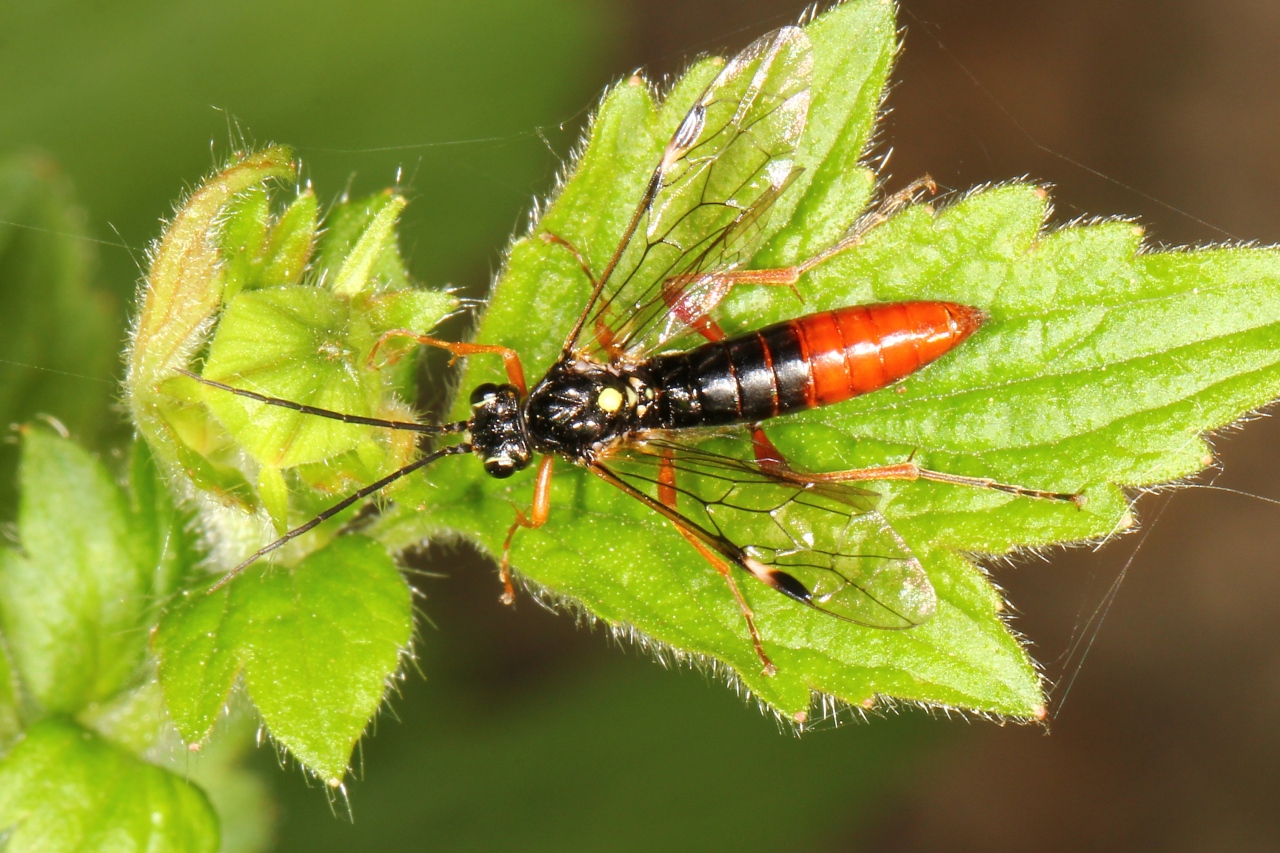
(497, 429)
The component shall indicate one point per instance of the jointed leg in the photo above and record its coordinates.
(557, 240)
(604, 336)
(693, 312)
(885, 211)
(539, 511)
(770, 458)
(510, 359)
(910, 470)
(667, 496)
(693, 308)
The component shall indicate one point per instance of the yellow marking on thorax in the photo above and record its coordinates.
(610, 400)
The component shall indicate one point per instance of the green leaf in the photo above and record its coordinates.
(184, 287)
(307, 343)
(202, 645)
(362, 231)
(72, 601)
(292, 240)
(317, 645)
(260, 250)
(10, 699)
(853, 50)
(1099, 367)
(356, 272)
(64, 789)
(268, 341)
(244, 235)
(415, 310)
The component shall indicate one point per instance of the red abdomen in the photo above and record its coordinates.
(814, 360)
(864, 348)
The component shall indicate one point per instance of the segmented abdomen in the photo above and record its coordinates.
(812, 361)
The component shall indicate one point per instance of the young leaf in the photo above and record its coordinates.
(269, 339)
(184, 285)
(356, 271)
(317, 645)
(1099, 368)
(291, 242)
(284, 328)
(243, 238)
(64, 789)
(357, 244)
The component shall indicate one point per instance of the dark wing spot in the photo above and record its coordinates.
(789, 586)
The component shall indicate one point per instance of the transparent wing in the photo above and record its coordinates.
(828, 538)
(705, 207)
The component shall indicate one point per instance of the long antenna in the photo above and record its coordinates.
(407, 426)
(329, 513)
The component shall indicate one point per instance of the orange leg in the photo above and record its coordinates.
(604, 335)
(885, 211)
(667, 496)
(910, 470)
(770, 458)
(539, 511)
(510, 360)
(556, 239)
(691, 310)
(694, 308)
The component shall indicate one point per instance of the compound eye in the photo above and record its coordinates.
(483, 393)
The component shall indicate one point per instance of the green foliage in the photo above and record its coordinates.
(64, 789)
(1099, 368)
(75, 603)
(98, 564)
(72, 598)
(299, 316)
(317, 646)
(185, 283)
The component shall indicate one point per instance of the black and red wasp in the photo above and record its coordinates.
(630, 405)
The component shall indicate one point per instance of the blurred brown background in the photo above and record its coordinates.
(530, 733)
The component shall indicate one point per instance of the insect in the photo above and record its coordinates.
(628, 404)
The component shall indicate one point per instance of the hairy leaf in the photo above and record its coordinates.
(317, 645)
(72, 600)
(185, 283)
(1099, 368)
(268, 339)
(311, 343)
